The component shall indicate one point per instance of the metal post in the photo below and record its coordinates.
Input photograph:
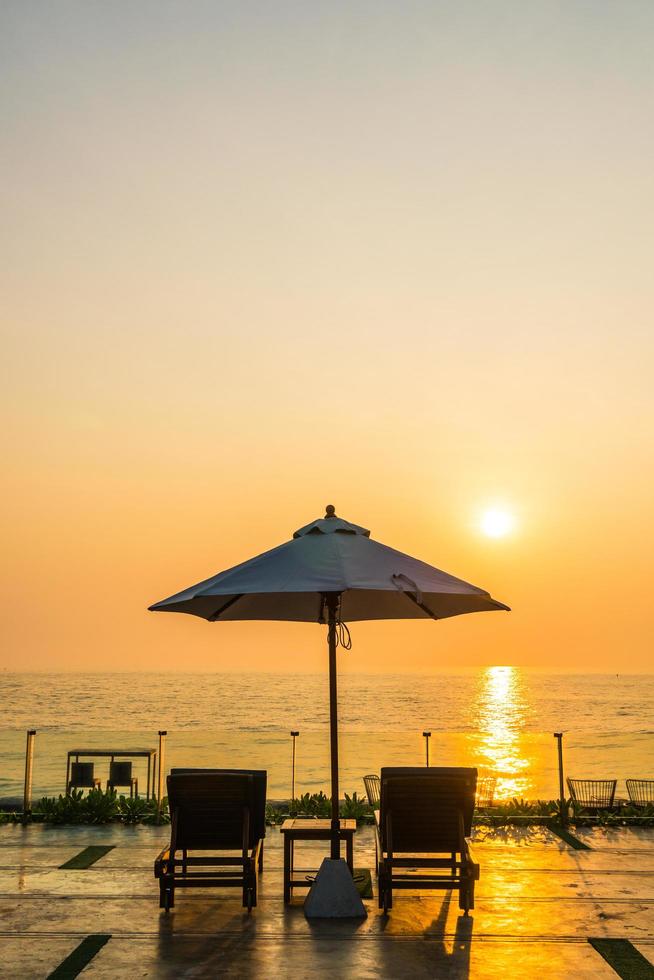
(427, 736)
(562, 801)
(293, 736)
(160, 772)
(29, 763)
(332, 605)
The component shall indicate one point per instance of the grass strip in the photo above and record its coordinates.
(623, 957)
(363, 882)
(87, 857)
(569, 838)
(80, 958)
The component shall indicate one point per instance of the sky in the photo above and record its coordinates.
(260, 257)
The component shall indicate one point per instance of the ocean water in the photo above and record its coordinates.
(500, 719)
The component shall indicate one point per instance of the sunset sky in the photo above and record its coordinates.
(261, 257)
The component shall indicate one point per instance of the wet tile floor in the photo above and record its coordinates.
(538, 902)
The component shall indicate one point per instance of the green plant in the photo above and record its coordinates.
(133, 809)
(99, 807)
(357, 808)
(275, 813)
(311, 805)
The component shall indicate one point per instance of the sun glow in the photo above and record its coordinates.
(496, 523)
(501, 718)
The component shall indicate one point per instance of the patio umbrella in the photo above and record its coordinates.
(331, 572)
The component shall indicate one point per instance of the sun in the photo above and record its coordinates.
(496, 523)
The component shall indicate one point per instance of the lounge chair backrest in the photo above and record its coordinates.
(208, 809)
(592, 792)
(641, 790)
(258, 810)
(424, 805)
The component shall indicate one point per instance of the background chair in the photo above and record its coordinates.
(593, 794)
(82, 776)
(641, 792)
(485, 791)
(120, 774)
(372, 784)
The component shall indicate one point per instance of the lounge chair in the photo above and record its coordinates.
(641, 792)
(372, 784)
(593, 794)
(485, 791)
(426, 812)
(214, 810)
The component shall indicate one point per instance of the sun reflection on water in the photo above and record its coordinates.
(502, 709)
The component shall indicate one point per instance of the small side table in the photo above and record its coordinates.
(295, 828)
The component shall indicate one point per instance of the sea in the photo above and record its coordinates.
(499, 719)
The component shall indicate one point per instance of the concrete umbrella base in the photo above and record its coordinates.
(333, 895)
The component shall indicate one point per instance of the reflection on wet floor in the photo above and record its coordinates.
(538, 902)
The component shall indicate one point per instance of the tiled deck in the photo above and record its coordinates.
(537, 903)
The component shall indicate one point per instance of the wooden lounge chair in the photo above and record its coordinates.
(372, 784)
(213, 810)
(593, 794)
(641, 792)
(426, 812)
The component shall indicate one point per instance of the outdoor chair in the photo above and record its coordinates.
(641, 792)
(425, 819)
(213, 810)
(120, 774)
(593, 794)
(485, 791)
(82, 776)
(372, 784)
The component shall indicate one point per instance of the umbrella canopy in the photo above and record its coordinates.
(331, 572)
(330, 556)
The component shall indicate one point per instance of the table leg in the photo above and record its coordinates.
(287, 869)
(349, 852)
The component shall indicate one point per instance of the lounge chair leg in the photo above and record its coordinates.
(464, 897)
(166, 897)
(261, 858)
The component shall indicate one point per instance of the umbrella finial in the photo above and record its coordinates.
(330, 511)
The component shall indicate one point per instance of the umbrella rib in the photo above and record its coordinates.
(420, 605)
(221, 609)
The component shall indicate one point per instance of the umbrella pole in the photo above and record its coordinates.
(332, 605)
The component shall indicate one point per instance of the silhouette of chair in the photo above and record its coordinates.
(593, 794)
(82, 776)
(214, 810)
(424, 813)
(120, 774)
(372, 784)
(641, 792)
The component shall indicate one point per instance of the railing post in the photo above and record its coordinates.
(160, 772)
(293, 736)
(562, 800)
(427, 736)
(29, 764)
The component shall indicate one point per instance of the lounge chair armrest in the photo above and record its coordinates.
(378, 836)
(160, 860)
(468, 854)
